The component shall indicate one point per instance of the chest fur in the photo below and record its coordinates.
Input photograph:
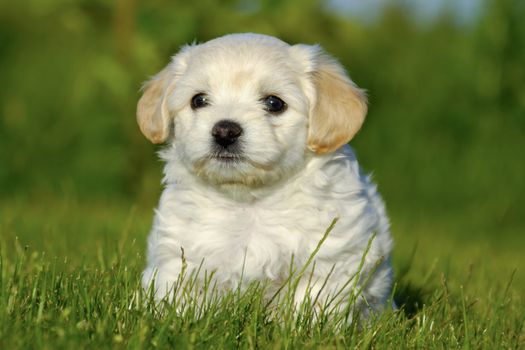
(256, 239)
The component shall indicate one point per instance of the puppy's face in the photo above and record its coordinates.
(246, 109)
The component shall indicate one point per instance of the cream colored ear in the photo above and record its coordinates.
(152, 110)
(340, 107)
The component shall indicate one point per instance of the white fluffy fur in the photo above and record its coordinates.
(247, 219)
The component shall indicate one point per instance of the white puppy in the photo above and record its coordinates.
(257, 167)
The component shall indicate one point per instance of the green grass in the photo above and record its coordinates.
(70, 278)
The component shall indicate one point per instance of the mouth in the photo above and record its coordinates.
(227, 158)
(229, 168)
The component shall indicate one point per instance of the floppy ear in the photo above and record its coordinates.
(152, 110)
(340, 107)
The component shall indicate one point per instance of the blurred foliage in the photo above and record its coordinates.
(445, 134)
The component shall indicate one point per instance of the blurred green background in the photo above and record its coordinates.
(445, 135)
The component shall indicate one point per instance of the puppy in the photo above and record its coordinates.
(258, 167)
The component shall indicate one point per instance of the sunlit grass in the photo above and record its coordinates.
(70, 278)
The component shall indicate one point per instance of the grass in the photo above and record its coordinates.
(70, 278)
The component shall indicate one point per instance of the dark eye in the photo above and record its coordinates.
(199, 101)
(274, 104)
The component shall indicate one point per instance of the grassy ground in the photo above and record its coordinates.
(69, 278)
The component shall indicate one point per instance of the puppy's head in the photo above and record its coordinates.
(248, 109)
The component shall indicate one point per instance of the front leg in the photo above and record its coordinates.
(163, 280)
(338, 291)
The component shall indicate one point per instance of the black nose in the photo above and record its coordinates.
(226, 132)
